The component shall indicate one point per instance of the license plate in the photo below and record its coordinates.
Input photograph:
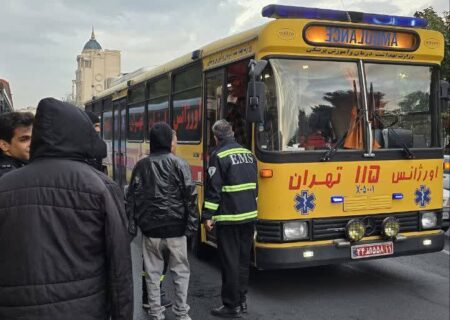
(372, 250)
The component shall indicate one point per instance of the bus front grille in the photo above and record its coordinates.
(334, 228)
(269, 231)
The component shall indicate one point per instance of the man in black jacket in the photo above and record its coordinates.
(230, 203)
(161, 199)
(65, 250)
(15, 139)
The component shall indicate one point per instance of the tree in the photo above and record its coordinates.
(441, 24)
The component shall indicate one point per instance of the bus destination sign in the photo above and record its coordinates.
(370, 38)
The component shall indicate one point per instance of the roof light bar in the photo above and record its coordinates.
(380, 19)
(283, 12)
(292, 12)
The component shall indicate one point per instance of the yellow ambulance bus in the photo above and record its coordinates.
(342, 112)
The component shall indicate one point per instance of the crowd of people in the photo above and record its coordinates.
(66, 227)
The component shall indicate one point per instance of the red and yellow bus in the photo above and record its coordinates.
(341, 109)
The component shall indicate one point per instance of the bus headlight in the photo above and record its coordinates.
(295, 230)
(355, 230)
(428, 220)
(390, 227)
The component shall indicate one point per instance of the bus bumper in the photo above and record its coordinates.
(340, 251)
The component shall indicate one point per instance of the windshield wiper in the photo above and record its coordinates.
(328, 155)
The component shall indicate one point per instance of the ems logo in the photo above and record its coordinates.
(211, 171)
(304, 202)
(422, 196)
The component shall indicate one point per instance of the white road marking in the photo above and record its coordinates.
(446, 252)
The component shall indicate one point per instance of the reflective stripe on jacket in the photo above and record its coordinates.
(231, 185)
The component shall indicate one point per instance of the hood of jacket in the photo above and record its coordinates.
(160, 138)
(61, 130)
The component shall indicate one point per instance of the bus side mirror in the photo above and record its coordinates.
(444, 90)
(256, 92)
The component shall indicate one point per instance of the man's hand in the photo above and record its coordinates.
(209, 225)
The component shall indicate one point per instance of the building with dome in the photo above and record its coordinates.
(96, 68)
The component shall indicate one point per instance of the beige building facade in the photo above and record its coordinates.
(96, 68)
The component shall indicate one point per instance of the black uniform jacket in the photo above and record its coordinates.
(162, 198)
(64, 244)
(231, 185)
(8, 164)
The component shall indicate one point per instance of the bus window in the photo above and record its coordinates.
(136, 123)
(236, 96)
(214, 103)
(158, 105)
(311, 105)
(136, 110)
(107, 125)
(399, 104)
(187, 117)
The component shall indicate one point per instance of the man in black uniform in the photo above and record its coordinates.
(230, 205)
(15, 139)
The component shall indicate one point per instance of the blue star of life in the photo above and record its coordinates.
(422, 196)
(304, 202)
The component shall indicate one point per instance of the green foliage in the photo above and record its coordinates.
(441, 24)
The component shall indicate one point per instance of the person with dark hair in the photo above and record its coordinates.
(96, 163)
(15, 138)
(65, 248)
(230, 207)
(95, 119)
(165, 302)
(161, 200)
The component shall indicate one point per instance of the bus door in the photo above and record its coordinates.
(215, 96)
(119, 141)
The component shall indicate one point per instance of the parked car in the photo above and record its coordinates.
(446, 198)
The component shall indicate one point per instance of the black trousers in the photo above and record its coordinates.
(234, 244)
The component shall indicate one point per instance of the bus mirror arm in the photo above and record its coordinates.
(256, 92)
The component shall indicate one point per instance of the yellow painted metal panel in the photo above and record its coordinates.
(365, 186)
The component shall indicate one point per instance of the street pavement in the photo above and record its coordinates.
(410, 288)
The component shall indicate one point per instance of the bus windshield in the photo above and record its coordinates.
(316, 105)
(399, 104)
(310, 105)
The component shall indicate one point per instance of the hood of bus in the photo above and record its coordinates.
(314, 190)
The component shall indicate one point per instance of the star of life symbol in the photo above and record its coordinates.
(304, 202)
(422, 196)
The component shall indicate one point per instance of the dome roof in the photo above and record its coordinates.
(92, 44)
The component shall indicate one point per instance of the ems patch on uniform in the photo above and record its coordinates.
(211, 171)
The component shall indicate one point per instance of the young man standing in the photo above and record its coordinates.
(162, 200)
(65, 250)
(15, 139)
(230, 205)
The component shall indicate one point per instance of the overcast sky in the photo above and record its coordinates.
(39, 40)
